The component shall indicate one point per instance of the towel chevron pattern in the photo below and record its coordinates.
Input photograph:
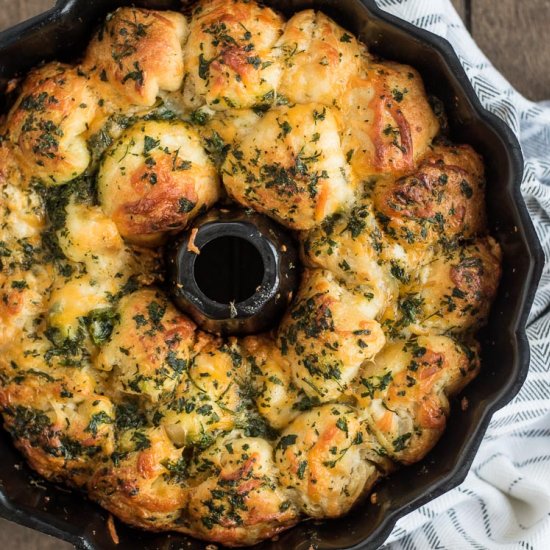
(504, 503)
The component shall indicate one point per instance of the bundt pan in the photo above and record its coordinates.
(64, 31)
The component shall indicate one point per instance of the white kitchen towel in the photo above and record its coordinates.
(505, 500)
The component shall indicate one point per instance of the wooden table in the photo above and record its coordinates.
(513, 33)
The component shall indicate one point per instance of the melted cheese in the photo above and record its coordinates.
(229, 58)
(105, 386)
(291, 167)
(155, 179)
(137, 53)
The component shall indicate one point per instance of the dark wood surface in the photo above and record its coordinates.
(461, 7)
(514, 35)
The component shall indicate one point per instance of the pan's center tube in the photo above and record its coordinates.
(229, 269)
(233, 272)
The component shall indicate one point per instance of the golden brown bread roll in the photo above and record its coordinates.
(48, 121)
(142, 482)
(242, 501)
(318, 59)
(403, 392)
(327, 334)
(155, 179)
(290, 166)
(441, 201)
(390, 123)
(149, 348)
(136, 54)
(320, 456)
(229, 57)
(453, 292)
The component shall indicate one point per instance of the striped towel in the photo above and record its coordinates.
(505, 500)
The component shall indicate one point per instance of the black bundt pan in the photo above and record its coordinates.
(63, 32)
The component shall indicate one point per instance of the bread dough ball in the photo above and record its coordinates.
(318, 58)
(155, 179)
(208, 399)
(143, 483)
(321, 460)
(276, 396)
(241, 502)
(48, 122)
(404, 392)
(137, 54)
(453, 293)
(389, 122)
(229, 58)
(290, 166)
(442, 200)
(327, 334)
(149, 349)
